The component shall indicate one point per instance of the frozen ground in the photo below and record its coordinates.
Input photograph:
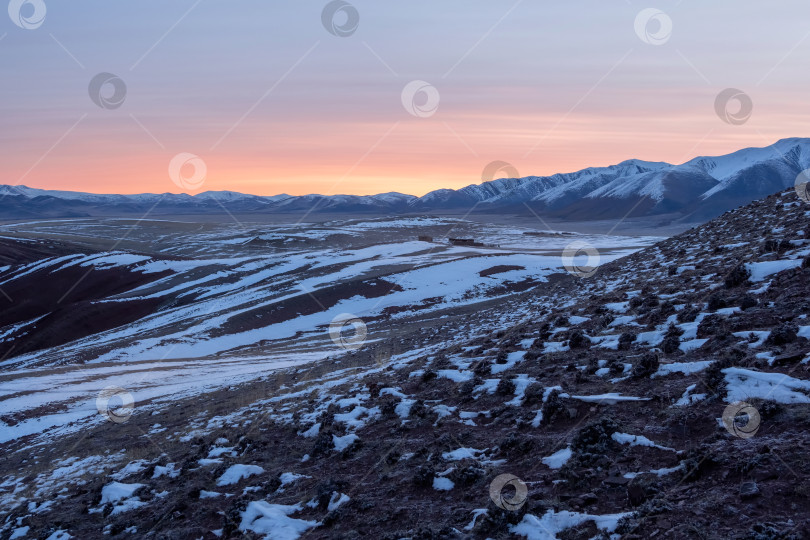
(490, 393)
(236, 302)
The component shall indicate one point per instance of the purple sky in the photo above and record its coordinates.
(272, 102)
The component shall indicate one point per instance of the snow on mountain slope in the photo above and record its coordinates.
(778, 168)
(648, 183)
(725, 166)
(224, 196)
(746, 174)
(148, 320)
(220, 288)
(95, 198)
(559, 187)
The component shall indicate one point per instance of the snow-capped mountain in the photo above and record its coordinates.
(700, 188)
(696, 190)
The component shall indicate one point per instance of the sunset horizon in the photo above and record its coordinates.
(390, 104)
(451, 181)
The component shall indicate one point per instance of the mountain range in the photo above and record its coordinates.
(697, 190)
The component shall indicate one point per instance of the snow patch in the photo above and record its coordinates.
(274, 521)
(442, 484)
(553, 523)
(558, 458)
(745, 383)
(342, 443)
(761, 270)
(237, 472)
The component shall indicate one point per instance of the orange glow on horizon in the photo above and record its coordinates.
(412, 156)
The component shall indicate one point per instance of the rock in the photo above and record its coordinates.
(589, 498)
(646, 366)
(787, 359)
(572, 412)
(749, 489)
(636, 494)
(783, 334)
(765, 474)
(616, 480)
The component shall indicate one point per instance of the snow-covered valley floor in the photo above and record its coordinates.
(237, 303)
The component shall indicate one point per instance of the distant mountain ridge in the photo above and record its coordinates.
(697, 190)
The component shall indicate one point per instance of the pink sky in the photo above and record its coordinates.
(276, 104)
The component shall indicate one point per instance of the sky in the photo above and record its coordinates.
(298, 97)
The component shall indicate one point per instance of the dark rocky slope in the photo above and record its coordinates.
(687, 327)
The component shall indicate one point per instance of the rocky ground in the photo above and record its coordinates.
(665, 396)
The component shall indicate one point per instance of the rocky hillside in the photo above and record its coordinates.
(665, 396)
